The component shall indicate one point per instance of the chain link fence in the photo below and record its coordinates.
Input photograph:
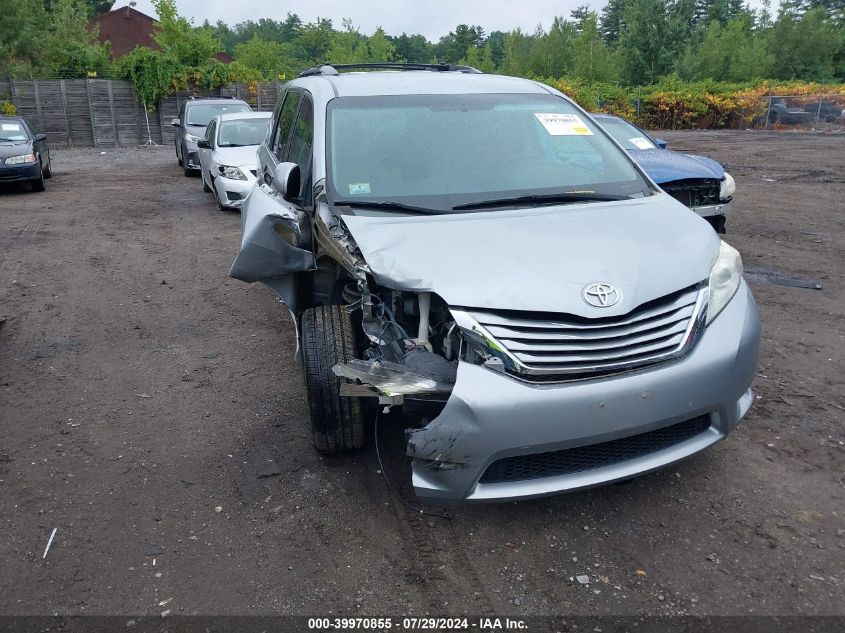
(816, 112)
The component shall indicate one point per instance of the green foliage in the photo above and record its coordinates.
(677, 48)
(154, 74)
(54, 41)
(191, 47)
(270, 60)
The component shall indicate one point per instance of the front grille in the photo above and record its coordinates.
(583, 458)
(694, 192)
(564, 344)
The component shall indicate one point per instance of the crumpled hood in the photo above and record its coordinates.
(15, 148)
(238, 156)
(540, 259)
(664, 165)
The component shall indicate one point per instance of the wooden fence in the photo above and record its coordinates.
(107, 112)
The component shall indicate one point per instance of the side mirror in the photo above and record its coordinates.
(40, 137)
(286, 180)
(203, 144)
(661, 143)
(176, 123)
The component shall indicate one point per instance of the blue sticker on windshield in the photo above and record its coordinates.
(359, 187)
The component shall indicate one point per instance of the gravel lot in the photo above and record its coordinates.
(152, 412)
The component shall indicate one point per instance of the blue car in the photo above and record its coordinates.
(698, 182)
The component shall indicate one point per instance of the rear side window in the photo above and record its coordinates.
(302, 137)
(301, 141)
(283, 126)
(210, 132)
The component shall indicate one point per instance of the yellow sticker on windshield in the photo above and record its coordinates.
(563, 124)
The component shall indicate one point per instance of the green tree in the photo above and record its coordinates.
(517, 51)
(381, 48)
(726, 53)
(453, 47)
(480, 58)
(592, 61)
(611, 21)
(642, 46)
(21, 28)
(176, 35)
(269, 59)
(808, 47)
(348, 46)
(315, 40)
(412, 48)
(552, 53)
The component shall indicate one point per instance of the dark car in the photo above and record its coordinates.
(698, 182)
(194, 116)
(24, 155)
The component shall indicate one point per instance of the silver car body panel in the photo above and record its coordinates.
(490, 415)
(540, 259)
(269, 252)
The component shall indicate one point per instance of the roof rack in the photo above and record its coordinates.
(334, 69)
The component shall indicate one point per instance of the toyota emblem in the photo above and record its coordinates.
(601, 295)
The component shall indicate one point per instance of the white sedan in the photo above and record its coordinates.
(228, 160)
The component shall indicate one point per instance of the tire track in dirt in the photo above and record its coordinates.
(441, 569)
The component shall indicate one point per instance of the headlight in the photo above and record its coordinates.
(193, 139)
(18, 160)
(725, 275)
(728, 188)
(232, 173)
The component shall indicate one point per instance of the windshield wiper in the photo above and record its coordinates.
(387, 205)
(548, 198)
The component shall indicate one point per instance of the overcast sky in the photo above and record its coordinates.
(432, 18)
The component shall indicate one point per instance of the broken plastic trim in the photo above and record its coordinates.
(390, 379)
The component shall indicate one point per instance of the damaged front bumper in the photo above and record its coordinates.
(491, 416)
(710, 210)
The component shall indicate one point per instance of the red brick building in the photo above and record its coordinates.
(126, 28)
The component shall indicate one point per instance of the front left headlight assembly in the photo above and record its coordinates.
(728, 187)
(233, 173)
(193, 139)
(20, 160)
(725, 275)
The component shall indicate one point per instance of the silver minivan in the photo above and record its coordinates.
(475, 251)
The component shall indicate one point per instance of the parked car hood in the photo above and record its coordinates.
(541, 259)
(238, 156)
(664, 165)
(15, 148)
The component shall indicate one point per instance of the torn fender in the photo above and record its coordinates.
(270, 230)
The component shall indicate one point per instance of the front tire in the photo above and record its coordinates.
(337, 422)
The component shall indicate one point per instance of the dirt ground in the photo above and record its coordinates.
(152, 412)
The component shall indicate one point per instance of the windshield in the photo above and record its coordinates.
(625, 134)
(202, 114)
(439, 152)
(13, 131)
(241, 132)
